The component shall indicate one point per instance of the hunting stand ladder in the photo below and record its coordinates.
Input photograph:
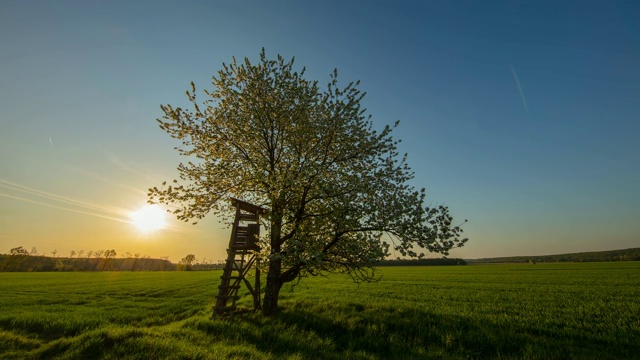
(241, 256)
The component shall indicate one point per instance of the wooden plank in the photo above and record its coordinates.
(230, 277)
(248, 217)
(225, 308)
(230, 287)
(247, 206)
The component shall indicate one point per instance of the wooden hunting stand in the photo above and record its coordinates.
(241, 256)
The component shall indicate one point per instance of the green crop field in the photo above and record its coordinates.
(544, 311)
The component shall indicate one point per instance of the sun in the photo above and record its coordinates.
(148, 218)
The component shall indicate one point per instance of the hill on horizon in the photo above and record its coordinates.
(631, 254)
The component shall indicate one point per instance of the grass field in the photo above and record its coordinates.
(544, 311)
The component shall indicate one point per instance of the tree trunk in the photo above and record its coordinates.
(272, 289)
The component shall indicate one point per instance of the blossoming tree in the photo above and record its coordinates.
(337, 191)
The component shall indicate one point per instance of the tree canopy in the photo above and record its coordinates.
(337, 191)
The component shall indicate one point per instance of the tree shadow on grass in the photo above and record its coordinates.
(305, 330)
(390, 335)
(399, 334)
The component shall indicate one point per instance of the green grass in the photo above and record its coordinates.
(544, 311)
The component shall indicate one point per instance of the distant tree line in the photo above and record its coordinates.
(422, 262)
(632, 254)
(190, 263)
(19, 259)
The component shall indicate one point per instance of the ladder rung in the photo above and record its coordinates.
(246, 247)
(228, 297)
(229, 287)
(238, 251)
(224, 308)
(248, 217)
(230, 277)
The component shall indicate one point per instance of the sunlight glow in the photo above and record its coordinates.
(148, 218)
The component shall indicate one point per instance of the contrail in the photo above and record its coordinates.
(68, 204)
(27, 190)
(524, 100)
(50, 141)
(106, 180)
(117, 162)
(80, 207)
(62, 208)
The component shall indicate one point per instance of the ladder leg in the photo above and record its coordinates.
(241, 256)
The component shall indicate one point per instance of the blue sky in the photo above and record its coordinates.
(521, 116)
